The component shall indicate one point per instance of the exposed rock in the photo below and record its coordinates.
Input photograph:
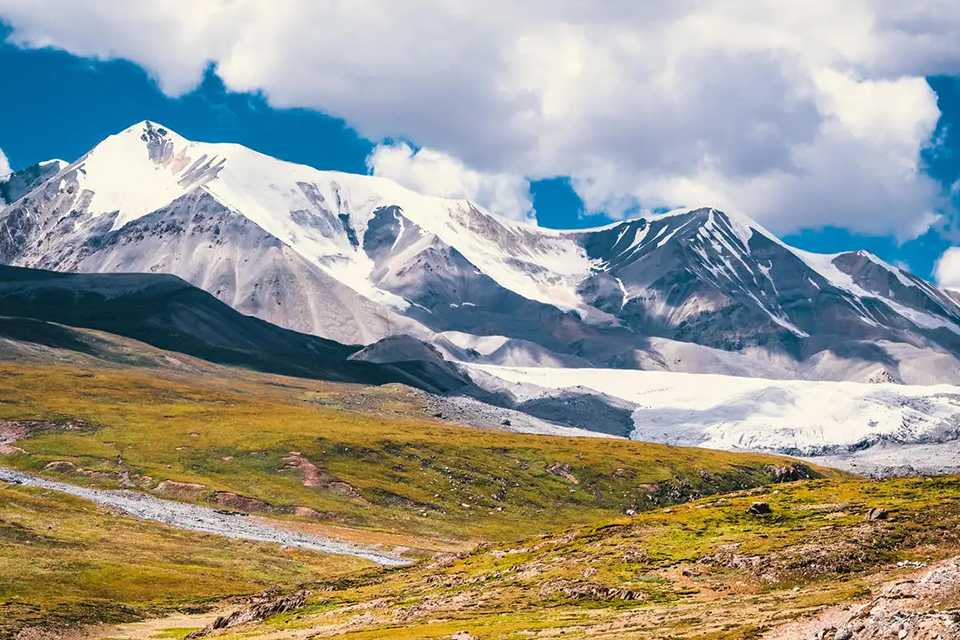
(242, 503)
(463, 635)
(8, 449)
(180, 490)
(580, 589)
(312, 477)
(307, 512)
(61, 466)
(905, 608)
(877, 513)
(255, 613)
(315, 477)
(562, 470)
(792, 473)
(760, 508)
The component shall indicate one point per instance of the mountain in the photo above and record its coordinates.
(166, 312)
(356, 258)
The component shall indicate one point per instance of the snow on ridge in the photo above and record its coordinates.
(147, 166)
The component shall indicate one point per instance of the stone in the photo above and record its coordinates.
(760, 508)
(877, 513)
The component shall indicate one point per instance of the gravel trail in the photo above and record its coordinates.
(203, 519)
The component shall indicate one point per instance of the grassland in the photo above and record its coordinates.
(360, 463)
(707, 570)
(345, 455)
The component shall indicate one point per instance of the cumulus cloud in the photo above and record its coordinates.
(438, 174)
(5, 169)
(798, 114)
(947, 270)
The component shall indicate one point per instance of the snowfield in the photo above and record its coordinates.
(753, 414)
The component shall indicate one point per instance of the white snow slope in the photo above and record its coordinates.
(266, 190)
(740, 414)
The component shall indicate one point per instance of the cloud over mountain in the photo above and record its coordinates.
(437, 174)
(4, 165)
(799, 114)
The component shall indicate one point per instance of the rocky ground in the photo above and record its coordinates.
(232, 524)
(469, 412)
(886, 460)
(922, 606)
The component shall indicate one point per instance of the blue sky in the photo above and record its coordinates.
(60, 105)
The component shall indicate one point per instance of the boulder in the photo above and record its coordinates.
(877, 513)
(760, 509)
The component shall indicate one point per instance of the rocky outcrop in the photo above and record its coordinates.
(578, 589)
(792, 473)
(315, 477)
(562, 470)
(910, 608)
(877, 513)
(241, 503)
(254, 613)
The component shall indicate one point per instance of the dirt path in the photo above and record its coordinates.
(204, 519)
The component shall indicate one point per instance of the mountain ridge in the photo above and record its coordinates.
(357, 258)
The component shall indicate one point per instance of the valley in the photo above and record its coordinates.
(243, 398)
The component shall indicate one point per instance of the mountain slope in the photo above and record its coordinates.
(166, 312)
(357, 258)
(20, 183)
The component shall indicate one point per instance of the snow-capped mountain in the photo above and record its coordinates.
(358, 258)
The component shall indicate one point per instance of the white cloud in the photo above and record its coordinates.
(5, 169)
(799, 114)
(438, 174)
(947, 269)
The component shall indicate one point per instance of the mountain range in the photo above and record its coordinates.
(355, 259)
(354, 277)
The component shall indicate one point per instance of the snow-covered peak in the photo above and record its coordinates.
(707, 276)
(321, 215)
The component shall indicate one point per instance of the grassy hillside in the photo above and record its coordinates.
(63, 561)
(340, 454)
(707, 570)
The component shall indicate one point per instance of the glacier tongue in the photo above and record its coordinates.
(752, 414)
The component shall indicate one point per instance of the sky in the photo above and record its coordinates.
(832, 123)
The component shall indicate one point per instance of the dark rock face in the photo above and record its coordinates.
(20, 183)
(166, 312)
